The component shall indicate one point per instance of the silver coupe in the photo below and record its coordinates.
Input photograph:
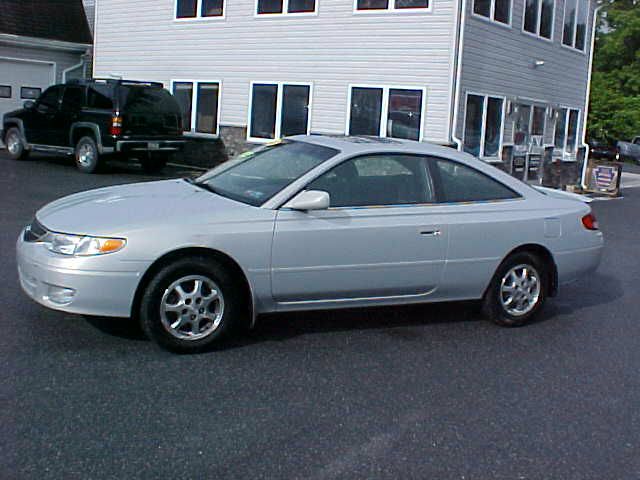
(310, 222)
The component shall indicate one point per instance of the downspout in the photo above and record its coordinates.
(588, 95)
(462, 18)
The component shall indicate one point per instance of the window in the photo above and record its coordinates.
(30, 93)
(459, 183)
(529, 124)
(538, 119)
(566, 133)
(391, 5)
(268, 7)
(5, 91)
(483, 125)
(386, 112)
(186, 9)
(375, 180)
(73, 98)
(49, 99)
(497, 10)
(278, 110)
(254, 177)
(538, 18)
(574, 31)
(98, 97)
(205, 97)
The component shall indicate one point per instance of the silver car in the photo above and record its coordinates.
(311, 222)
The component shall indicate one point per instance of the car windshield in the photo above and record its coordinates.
(256, 176)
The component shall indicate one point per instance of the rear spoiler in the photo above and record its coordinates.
(552, 192)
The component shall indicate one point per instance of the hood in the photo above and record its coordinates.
(14, 113)
(116, 211)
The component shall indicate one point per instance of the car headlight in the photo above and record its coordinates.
(81, 245)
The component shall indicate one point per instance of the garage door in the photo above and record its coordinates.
(22, 80)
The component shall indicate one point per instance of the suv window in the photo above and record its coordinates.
(98, 97)
(460, 183)
(50, 98)
(373, 180)
(73, 98)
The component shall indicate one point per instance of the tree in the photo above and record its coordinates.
(614, 112)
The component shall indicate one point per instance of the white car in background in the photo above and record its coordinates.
(311, 222)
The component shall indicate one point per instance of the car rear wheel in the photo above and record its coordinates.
(15, 145)
(191, 304)
(87, 156)
(517, 291)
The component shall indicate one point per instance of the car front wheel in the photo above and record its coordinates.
(190, 305)
(87, 156)
(15, 145)
(517, 291)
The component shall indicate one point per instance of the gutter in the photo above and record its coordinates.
(462, 18)
(35, 42)
(583, 177)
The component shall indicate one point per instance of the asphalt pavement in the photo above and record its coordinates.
(421, 392)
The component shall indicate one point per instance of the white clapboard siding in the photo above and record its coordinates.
(333, 49)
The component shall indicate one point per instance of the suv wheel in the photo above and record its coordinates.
(191, 304)
(15, 145)
(87, 157)
(517, 291)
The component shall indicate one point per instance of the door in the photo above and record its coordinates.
(22, 80)
(380, 238)
(39, 123)
(73, 99)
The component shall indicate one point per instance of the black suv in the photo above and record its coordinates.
(94, 119)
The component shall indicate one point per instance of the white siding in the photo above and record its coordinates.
(141, 40)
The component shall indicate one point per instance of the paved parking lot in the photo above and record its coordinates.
(428, 392)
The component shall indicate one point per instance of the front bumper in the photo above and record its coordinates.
(73, 284)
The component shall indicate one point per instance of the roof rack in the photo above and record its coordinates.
(114, 81)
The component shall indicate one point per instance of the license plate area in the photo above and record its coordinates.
(154, 146)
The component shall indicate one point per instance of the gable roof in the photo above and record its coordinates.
(62, 20)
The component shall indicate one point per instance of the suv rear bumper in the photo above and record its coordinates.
(125, 146)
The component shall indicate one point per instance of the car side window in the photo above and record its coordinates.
(460, 183)
(72, 99)
(98, 99)
(375, 180)
(50, 98)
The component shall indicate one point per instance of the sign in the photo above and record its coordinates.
(604, 178)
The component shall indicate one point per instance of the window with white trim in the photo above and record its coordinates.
(271, 7)
(386, 112)
(529, 122)
(538, 17)
(574, 32)
(5, 91)
(391, 5)
(566, 132)
(496, 10)
(483, 125)
(279, 110)
(205, 97)
(186, 9)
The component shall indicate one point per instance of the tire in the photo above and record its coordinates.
(197, 318)
(154, 164)
(87, 156)
(15, 145)
(526, 300)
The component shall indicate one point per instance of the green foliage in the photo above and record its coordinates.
(615, 89)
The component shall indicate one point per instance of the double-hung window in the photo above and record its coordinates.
(496, 10)
(574, 33)
(189, 9)
(271, 7)
(392, 5)
(566, 133)
(199, 103)
(386, 112)
(279, 110)
(483, 125)
(538, 18)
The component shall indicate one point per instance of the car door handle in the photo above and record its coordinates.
(430, 233)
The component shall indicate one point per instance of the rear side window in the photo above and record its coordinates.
(459, 183)
(73, 98)
(99, 97)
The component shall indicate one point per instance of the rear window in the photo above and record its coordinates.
(140, 99)
(99, 96)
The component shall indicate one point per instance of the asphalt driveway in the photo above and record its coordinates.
(428, 392)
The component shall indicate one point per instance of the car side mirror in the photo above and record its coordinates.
(29, 104)
(309, 200)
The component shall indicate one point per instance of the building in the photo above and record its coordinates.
(41, 43)
(483, 74)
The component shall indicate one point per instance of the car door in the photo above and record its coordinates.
(73, 99)
(40, 121)
(379, 239)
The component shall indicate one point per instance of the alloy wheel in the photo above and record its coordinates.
(520, 290)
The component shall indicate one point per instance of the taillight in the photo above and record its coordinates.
(116, 125)
(589, 221)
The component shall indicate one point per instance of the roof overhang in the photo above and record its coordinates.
(45, 43)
